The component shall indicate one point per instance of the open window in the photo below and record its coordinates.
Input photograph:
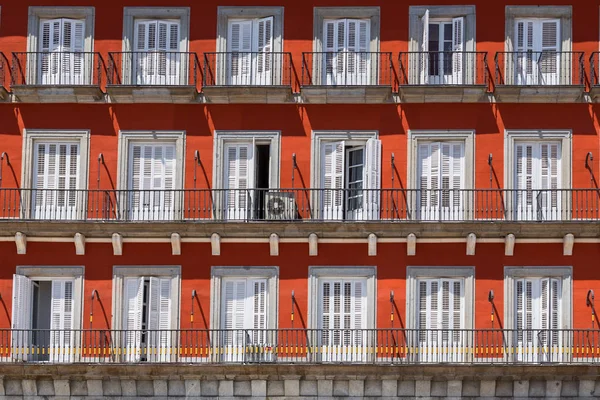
(443, 46)
(247, 177)
(349, 178)
(146, 313)
(46, 316)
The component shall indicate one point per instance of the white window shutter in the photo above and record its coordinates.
(457, 49)
(424, 57)
(159, 318)
(373, 178)
(358, 308)
(22, 302)
(61, 320)
(329, 47)
(133, 291)
(240, 46)
(333, 166)
(234, 313)
(264, 46)
(549, 67)
(259, 303)
(238, 177)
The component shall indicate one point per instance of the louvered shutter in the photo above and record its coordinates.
(525, 311)
(550, 58)
(152, 181)
(429, 173)
(549, 198)
(22, 305)
(168, 60)
(133, 290)
(524, 59)
(333, 169)
(56, 179)
(240, 48)
(330, 49)
(159, 319)
(257, 309)
(451, 180)
(423, 60)
(234, 314)
(238, 179)
(49, 46)
(142, 58)
(61, 320)
(264, 48)
(457, 49)
(373, 178)
(524, 178)
(72, 52)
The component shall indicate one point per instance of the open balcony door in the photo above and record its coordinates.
(239, 181)
(22, 305)
(249, 52)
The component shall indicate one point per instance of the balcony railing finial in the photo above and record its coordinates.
(196, 163)
(294, 167)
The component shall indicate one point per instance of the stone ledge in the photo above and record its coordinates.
(324, 230)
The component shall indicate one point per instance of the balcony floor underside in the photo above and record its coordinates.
(58, 94)
(152, 94)
(539, 94)
(334, 230)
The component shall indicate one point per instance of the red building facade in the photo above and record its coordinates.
(350, 170)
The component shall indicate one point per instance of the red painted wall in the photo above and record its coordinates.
(296, 123)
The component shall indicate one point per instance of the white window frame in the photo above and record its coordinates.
(50, 273)
(441, 351)
(126, 139)
(415, 137)
(219, 274)
(131, 14)
(38, 13)
(350, 138)
(372, 14)
(416, 14)
(33, 136)
(512, 137)
(221, 138)
(132, 271)
(227, 13)
(563, 13)
(416, 273)
(564, 273)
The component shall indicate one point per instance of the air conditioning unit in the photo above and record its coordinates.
(280, 206)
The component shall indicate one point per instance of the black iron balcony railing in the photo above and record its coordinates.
(327, 205)
(153, 68)
(347, 69)
(539, 68)
(595, 68)
(247, 69)
(304, 346)
(443, 68)
(3, 71)
(57, 68)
